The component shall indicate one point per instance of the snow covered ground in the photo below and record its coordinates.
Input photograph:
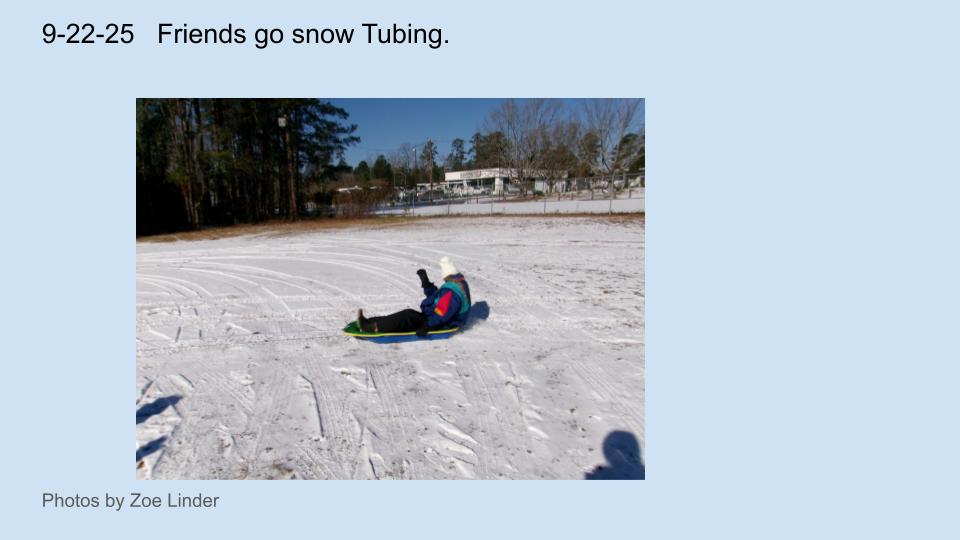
(242, 371)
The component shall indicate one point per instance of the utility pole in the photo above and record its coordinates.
(429, 159)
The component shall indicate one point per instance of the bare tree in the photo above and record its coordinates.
(402, 157)
(607, 122)
(558, 149)
(523, 124)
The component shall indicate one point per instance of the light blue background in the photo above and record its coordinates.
(801, 260)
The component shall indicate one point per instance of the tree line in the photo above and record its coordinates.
(533, 137)
(214, 162)
(208, 162)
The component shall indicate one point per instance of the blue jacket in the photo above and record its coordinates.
(448, 304)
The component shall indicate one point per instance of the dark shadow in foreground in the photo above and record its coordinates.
(150, 448)
(478, 311)
(623, 459)
(156, 407)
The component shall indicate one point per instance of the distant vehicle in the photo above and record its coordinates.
(471, 191)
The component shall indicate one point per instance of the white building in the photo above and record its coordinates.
(494, 180)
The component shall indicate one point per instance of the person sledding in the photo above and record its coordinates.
(444, 306)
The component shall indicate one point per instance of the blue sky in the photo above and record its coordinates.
(384, 124)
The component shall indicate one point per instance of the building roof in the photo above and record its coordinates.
(497, 172)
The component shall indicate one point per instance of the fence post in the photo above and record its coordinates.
(612, 186)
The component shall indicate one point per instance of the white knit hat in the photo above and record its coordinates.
(447, 268)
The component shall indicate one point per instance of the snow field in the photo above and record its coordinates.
(242, 371)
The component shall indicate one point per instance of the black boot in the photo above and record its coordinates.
(365, 325)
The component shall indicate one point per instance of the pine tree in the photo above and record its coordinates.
(207, 162)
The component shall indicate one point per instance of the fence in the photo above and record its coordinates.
(597, 194)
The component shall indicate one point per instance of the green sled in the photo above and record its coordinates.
(353, 330)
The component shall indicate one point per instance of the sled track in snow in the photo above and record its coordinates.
(246, 331)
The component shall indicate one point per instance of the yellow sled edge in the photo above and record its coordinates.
(432, 332)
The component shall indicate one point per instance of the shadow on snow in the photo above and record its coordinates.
(624, 461)
(155, 407)
(150, 447)
(478, 311)
(144, 413)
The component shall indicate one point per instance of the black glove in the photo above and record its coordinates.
(424, 281)
(422, 331)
